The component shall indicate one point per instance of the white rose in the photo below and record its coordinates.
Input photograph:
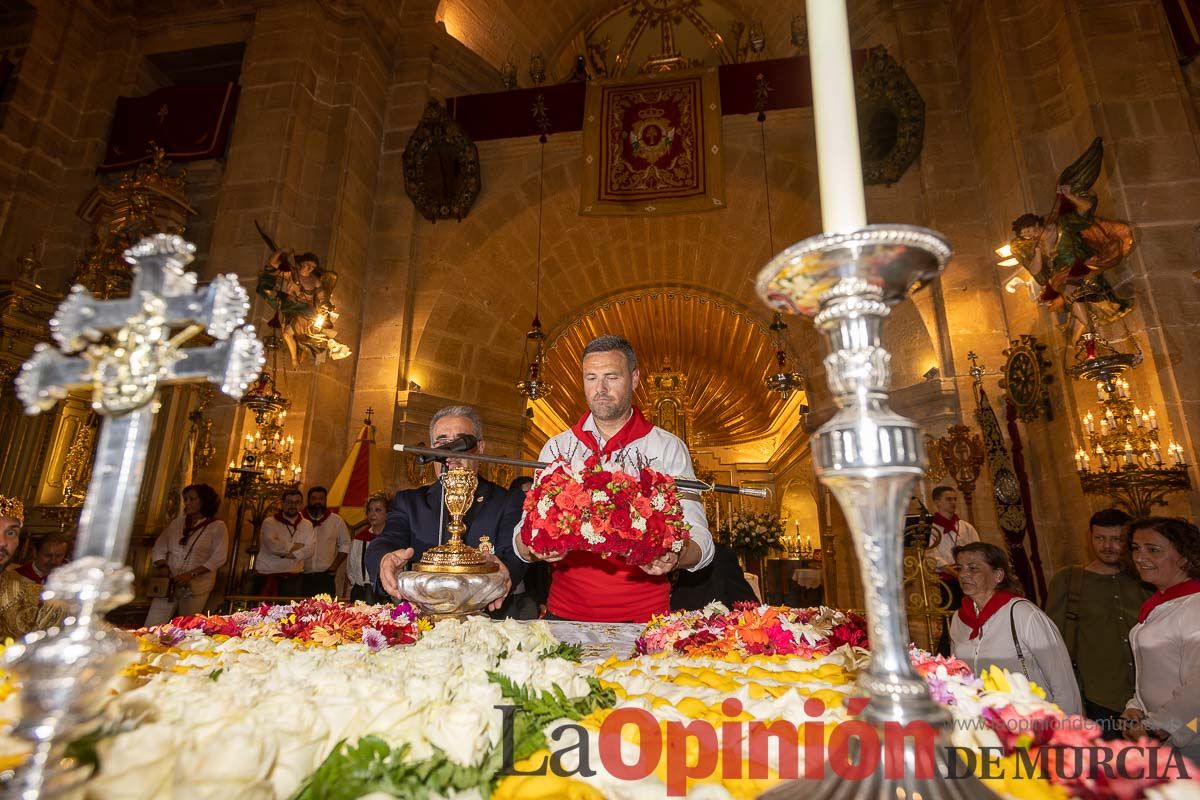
(302, 738)
(639, 524)
(136, 764)
(235, 763)
(569, 677)
(518, 667)
(446, 729)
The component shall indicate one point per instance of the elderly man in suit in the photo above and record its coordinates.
(417, 519)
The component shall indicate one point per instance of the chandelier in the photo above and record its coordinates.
(1124, 459)
(267, 464)
(533, 385)
(784, 380)
(261, 396)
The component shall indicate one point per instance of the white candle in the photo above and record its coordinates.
(1090, 422)
(1100, 391)
(839, 170)
(1128, 454)
(1157, 453)
(1153, 420)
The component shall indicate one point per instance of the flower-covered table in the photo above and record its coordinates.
(322, 700)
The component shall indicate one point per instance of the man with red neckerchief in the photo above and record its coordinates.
(585, 586)
(331, 544)
(948, 533)
(286, 540)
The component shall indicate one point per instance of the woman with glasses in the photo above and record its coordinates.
(997, 626)
(189, 551)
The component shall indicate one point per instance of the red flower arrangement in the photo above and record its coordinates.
(634, 517)
(318, 620)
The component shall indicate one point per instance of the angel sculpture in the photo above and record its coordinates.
(300, 291)
(1068, 251)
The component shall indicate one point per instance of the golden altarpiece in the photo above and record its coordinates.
(46, 460)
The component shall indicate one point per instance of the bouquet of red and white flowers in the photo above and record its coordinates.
(635, 517)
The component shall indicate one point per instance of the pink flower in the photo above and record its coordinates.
(373, 639)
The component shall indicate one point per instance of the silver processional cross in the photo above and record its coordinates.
(122, 351)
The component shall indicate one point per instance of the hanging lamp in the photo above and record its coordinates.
(783, 379)
(533, 385)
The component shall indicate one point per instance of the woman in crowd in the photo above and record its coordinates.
(996, 626)
(361, 585)
(1166, 640)
(190, 551)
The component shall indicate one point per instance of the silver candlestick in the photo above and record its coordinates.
(122, 351)
(870, 457)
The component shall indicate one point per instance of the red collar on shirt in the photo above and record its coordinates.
(316, 522)
(946, 523)
(29, 571)
(975, 622)
(279, 516)
(1182, 589)
(635, 428)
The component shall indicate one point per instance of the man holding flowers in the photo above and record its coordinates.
(616, 460)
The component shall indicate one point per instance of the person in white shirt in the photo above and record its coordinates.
(362, 585)
(1166, 640)
(332, 544)
(995, 626)
(585, 586)
(286, 540)
(189, 550)
(947, 533)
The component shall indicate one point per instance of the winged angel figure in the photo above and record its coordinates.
(300, 292)
(1068, 251)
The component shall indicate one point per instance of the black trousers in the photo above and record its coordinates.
(956, 600)
(365, 594)
(316, 583)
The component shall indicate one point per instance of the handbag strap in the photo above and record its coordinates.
(1012, 624)
(196, 540)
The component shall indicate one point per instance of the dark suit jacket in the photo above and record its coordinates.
(412, 521)
(721, 580)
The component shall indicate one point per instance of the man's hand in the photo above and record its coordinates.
(662, 565)
(296, 546)
(1132, 727)
(389, 565)
(499, 601)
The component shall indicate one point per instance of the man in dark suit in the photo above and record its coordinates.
(417, 518)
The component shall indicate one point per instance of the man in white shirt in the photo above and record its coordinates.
(948, 533)
(331, 547)
(285, 541)
(585, 586)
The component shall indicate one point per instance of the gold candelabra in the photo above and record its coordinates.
(799, 547)
(1124, 459)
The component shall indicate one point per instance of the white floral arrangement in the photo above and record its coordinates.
(754, 534)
